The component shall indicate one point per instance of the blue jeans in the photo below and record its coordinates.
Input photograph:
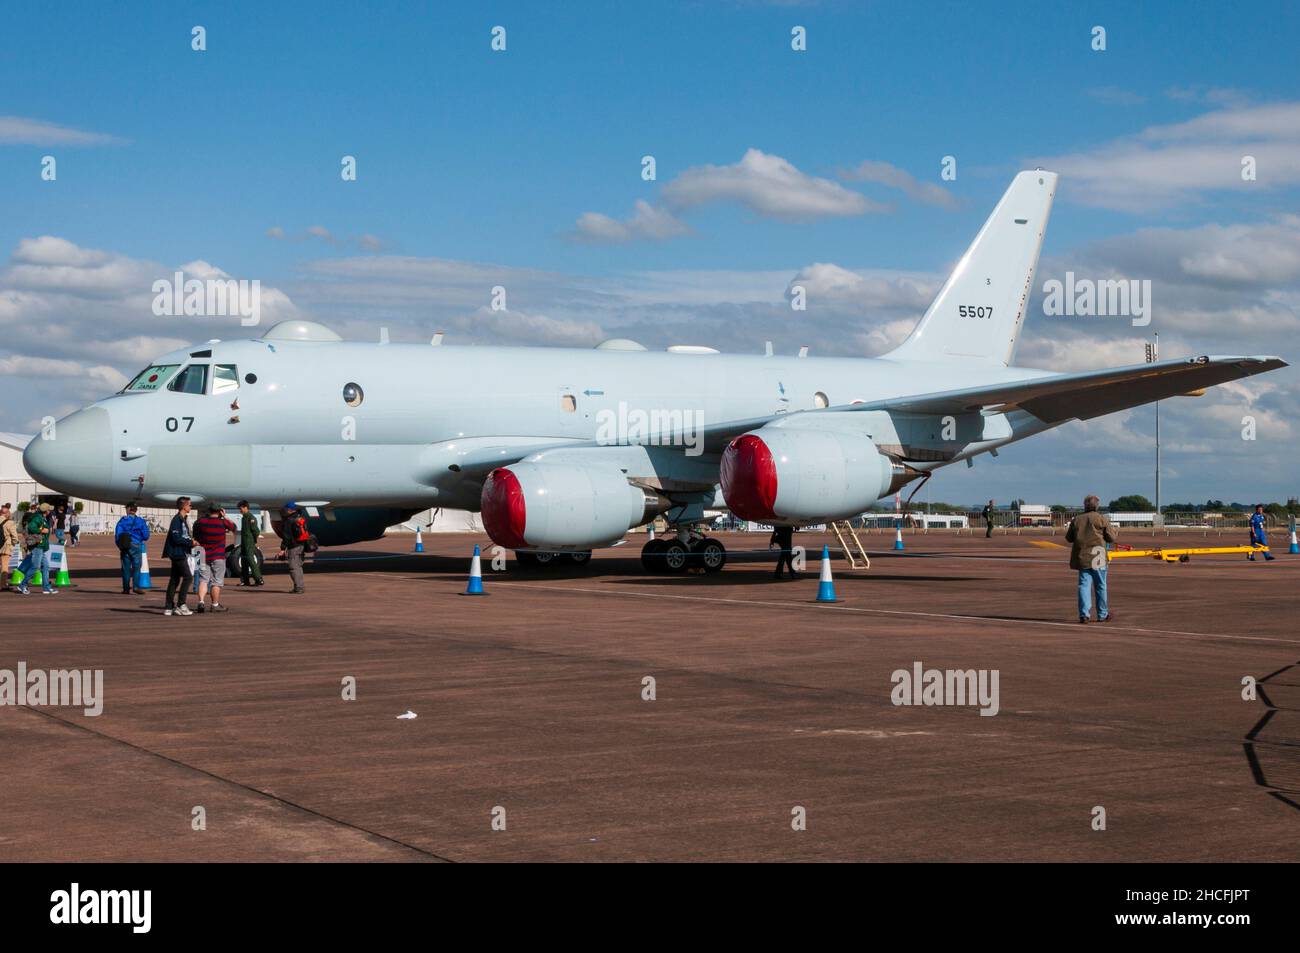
(131, 568)
(1087, 579)
(38, 560)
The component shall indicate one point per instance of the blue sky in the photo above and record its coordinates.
(168, 156)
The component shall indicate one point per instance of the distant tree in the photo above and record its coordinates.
(1060, 508)
(1134, 503)
(79, 506)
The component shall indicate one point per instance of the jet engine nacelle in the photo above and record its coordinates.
(788, 475)
(555, 506)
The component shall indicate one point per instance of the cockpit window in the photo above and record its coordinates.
(192, 380)
(225, 378)
(151, 378)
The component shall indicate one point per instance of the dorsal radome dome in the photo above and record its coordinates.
(300, 331)
(619, 344)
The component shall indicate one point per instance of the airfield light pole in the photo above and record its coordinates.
(1153, 355)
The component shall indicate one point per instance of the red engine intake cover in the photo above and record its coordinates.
(748, 479)
(504, 513)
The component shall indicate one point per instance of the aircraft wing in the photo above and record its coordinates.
(1054, 398)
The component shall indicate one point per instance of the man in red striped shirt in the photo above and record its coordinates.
(210, 533)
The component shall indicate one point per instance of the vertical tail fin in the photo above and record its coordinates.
(977, 316)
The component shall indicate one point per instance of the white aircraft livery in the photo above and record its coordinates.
(565, 450)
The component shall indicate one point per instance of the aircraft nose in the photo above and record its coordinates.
(75, 455)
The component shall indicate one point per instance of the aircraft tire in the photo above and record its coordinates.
(652, 556)
(675, 557)
(709, 554)
(234, 564)
(580, 559)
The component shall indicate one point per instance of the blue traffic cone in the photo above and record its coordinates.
(826, 587)
(475, 587)
(1295, 547)
(145, 582)
(898, 537)
(419, 540)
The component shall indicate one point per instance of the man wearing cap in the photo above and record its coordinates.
(130, 534)
(293, 542)
(37, 545)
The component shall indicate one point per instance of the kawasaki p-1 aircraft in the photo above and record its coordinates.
(565, 450)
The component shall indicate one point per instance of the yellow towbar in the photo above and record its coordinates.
(1184, 555)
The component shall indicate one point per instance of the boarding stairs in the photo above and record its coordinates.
(855, 554)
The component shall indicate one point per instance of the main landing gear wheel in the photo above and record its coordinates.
(542, 560)
(652, 554)
(675, 556)
(234, 561)
(710, 554)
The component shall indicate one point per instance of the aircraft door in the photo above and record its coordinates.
(572, 410)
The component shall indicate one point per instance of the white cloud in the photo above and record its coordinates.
(101, 376)
(768, 185)
(15, 130)
(882, 173)
(1168, 164)
(1229, 256)
(645, 223)
(865, 290)
(366, 241)
(75, 322)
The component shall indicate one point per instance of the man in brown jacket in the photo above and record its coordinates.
(1089, 533)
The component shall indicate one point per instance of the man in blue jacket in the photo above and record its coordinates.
(131, 533)
(1257, 537)
(177, 551)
